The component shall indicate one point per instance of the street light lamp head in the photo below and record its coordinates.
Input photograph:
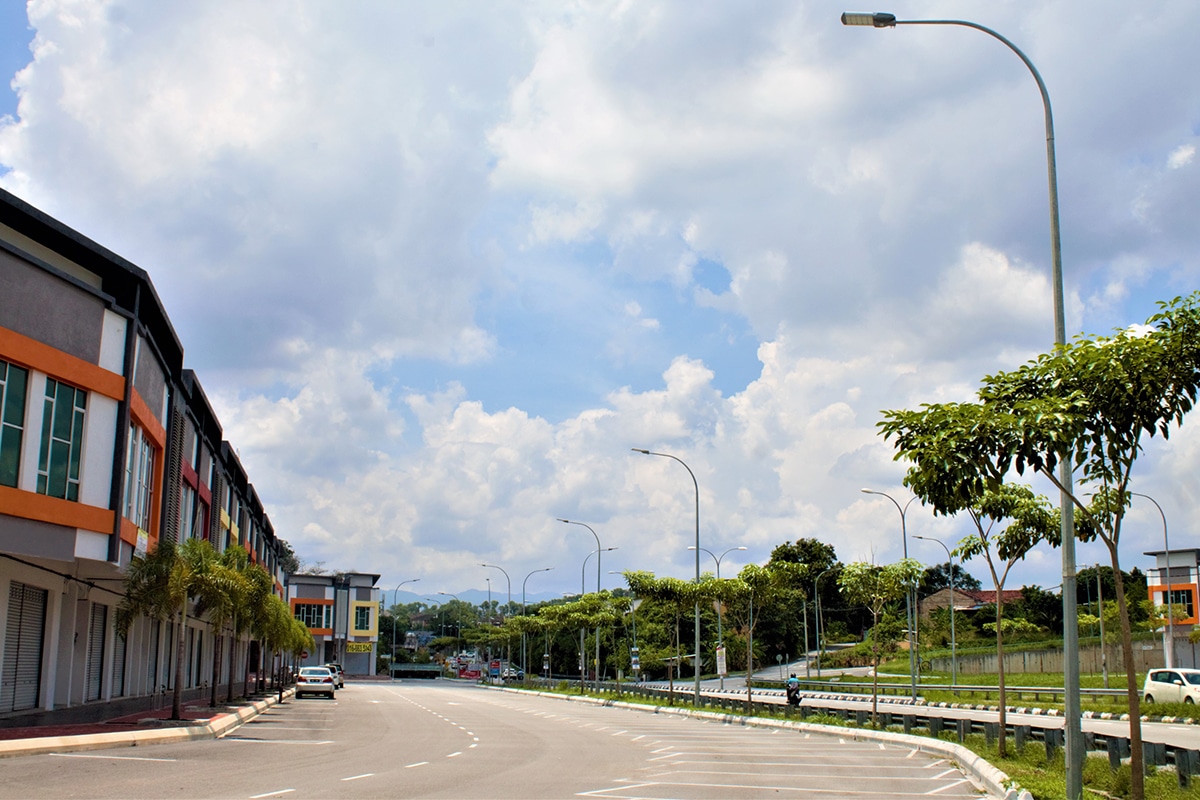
(640, 450)
(879, 19)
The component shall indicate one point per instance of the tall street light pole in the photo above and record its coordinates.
(524, 652)
(507, 647)
(720, 631)
(1169, 647)
(908, 606)
(817, 596)
(1072, 713)
(582, 590)
(696, 694)
(953, 648)
(396, 602)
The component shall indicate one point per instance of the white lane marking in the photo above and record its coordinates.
(668, 755)
(604, 792)
(618, 733)
(454, 704)
(276, 741)
(881, 747)
(911, 753)
(271, 794)
(932, 764)
(455, 755)
(418, 764)
(376, 701)
(948, 786)
(944, 774)
(634, 739)
(475, 738)
(114, 758)
(356, 777)
(469, 747)
(663, 749)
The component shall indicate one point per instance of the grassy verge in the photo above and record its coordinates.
(1044, 778)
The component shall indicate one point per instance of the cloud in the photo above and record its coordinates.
(441, 266)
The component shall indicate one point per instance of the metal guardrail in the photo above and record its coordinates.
(1016, 692)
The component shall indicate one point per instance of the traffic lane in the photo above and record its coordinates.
(519, 754)
(304, 748)
(688, 757)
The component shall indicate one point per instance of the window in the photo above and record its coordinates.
(1180, 601)
(62, 440)
(362, 618)
(139, 478)
(187, 514)
(12, 420)
(315, 615)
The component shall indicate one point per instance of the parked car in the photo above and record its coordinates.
(339, 675)
(315, 680)
(1172, 686)
(513, 674)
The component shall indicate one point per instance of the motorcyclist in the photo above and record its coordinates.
(793, 690)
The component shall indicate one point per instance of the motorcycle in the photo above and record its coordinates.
(793, 696)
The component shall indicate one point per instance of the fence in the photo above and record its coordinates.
(1147, 654)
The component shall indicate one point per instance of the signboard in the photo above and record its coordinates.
(634, 661)
(494, 668)
(358, 647)
(721, 666)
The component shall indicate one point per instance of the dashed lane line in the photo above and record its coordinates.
(358, 777)
(271, 794)
(110, 758)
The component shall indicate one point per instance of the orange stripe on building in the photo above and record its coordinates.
(31, 505)
(59, 365)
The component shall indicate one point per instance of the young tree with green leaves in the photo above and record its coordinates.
(1031, 522)
(1090, 403)
(876, 587)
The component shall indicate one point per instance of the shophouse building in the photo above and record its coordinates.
(341, 612)
(108, 446)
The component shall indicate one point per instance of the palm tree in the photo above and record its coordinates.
(159, 584)
(259, 589)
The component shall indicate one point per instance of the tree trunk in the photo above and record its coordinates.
(180, 654)
(1002, 748)
(1137, 787)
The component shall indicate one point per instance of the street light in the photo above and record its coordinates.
(1169, 645)
(817, 595)
(720, 632)
(582, 590)
(457, 630)
(696, 697)
(507, 647)
(953, 650)
(396, 602)
(1072, 712)
(912, 644)
(525, 655)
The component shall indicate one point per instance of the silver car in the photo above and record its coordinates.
(315, 680)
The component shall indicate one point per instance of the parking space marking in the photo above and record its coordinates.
(948, 786)
(112, 758)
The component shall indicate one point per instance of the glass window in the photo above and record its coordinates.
(1192, 678)
(62, 440)
(12, 420)
(315, 615)
(187, 514)
(1181, 602)
(139, 478)
(362, 618)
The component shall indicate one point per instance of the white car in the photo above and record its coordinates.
(315, 680)
(1172, 686)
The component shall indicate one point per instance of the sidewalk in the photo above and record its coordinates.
(199, 721)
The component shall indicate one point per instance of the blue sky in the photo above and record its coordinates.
(441, 266)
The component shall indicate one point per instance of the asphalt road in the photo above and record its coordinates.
(444, 739)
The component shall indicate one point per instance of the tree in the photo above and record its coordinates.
(158, 585)
(937, 577)
(876, 587)
(1033, 522)
(1090, 403)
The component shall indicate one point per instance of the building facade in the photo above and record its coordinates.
(1176, 583)
(107, 446)
(341, 612)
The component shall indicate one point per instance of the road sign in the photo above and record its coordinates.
(304, 654)
(634, 663)
(722, 667)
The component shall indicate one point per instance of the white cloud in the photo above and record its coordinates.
(388, 233)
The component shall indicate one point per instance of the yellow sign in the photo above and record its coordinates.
(358, 647)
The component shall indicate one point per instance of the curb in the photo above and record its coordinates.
(981, 772)
(215, 729)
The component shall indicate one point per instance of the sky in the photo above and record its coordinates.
(440, 266)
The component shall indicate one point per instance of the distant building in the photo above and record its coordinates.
(964, 600)
(342, 614)
(1177, 587)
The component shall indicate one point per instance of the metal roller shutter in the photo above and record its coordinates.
(118, 679)
(21, 673)
(95, 657)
